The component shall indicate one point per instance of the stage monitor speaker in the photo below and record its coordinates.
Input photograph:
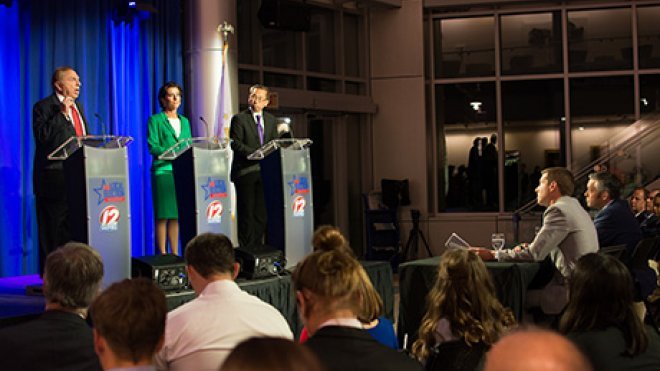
(260, 262)
(167, 271)
(286, 15)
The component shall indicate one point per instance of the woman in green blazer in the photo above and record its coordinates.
(165, 129)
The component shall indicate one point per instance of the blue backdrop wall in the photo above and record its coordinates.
(121, 64)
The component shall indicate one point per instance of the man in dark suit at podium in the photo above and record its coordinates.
(249, 130)
(55, 119)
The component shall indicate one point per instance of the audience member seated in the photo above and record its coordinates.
(129, 324)
(638, 205)
(650, 198)
(329, 287)
(271, 354)
(328, 238)
(201, 333)
(615, 223)
(601, 319)
(535, 349)
(463, 315)
(567, 234)
(60, 339)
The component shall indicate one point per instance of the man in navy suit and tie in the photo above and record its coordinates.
(55, 119)
(249, 130)
(616, 225)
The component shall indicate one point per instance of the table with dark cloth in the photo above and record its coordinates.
(416, 278)
(279, 291)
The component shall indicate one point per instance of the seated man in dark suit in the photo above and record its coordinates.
(645, 218)
(616, 225)
(129, 324)
(60, 339)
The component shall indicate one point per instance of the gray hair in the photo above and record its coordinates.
(606, 182)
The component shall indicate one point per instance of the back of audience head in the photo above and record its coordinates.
(463, 295)
(72, 276)
(329, 282)
(601, 296)
(327, 237)
(535, 349)
(129, 322)
(272, 354)
(211, 255)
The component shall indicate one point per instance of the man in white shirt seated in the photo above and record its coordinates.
(200, 334)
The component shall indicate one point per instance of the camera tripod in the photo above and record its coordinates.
(413, 237)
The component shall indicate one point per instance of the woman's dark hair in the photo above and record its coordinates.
(162, 92)
(601, 296)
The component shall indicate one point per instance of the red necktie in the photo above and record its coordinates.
(77, 123)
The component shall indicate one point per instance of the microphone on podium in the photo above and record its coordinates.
(206, 124)
(100, 119)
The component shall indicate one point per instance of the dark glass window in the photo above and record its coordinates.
(282, 80)
(648, 33)
(533, 115)
(319, 84)
(466, 113)
(281, 48)
(464, 47)
(321, 41)
(601, 107)
(531, 43)
(599, 40)
(352, 46)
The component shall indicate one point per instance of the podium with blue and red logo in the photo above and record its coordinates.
(201, 179)
(96, 172)
(286, 173)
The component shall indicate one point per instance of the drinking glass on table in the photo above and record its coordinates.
(497, 241)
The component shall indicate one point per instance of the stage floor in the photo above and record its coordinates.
(15, 304)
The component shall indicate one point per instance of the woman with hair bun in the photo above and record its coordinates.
(330, 295)
(329, 238)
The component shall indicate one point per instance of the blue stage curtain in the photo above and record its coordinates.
(121, 64)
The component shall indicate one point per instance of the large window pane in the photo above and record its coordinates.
(321, 41)
(353, 46)
(281, 80)
(600, 40)
(533, 114)
(281, 49)
(464, 47)
(648, 32)
(466, 114)
(531, 43)
(248, 24)
(600, 108)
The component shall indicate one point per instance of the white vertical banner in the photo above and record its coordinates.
(223, 110)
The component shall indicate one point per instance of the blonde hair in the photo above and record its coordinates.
(335, 279)
(327, 237)
(463, 295)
